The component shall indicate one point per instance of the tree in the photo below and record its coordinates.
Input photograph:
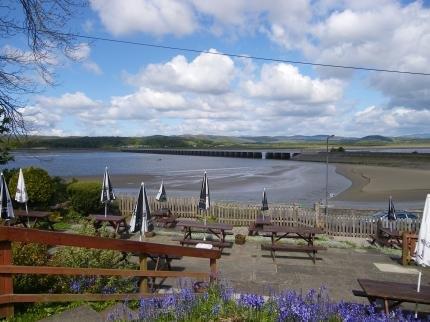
(42, 24)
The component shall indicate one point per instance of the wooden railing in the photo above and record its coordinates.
(7, 269)
(345, 224)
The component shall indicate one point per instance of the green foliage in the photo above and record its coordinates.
(8, 173)
(339, 149)
(40, 187)
(85, 196)
(60, 190)
(31, 255)
(97, 258)
(5, 127)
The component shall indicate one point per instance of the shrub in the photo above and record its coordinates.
(85, 196)
(97, 258)
(31, 255)
(40, 186)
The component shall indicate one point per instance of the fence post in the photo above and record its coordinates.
(6, 282)
(143, 286)
(317, 215)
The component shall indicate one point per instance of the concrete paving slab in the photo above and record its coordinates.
(392, 268)
(81, 313)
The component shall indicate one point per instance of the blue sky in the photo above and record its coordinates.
(126, 90)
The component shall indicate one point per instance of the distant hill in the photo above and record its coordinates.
(417, 136)
(376, 138)
(210, 141)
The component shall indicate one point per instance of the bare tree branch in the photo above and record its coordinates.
(43, 24)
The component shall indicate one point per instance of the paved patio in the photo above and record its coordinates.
(249, 269)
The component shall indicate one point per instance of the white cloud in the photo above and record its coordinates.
(207, 73)
(92, 67)
(69, 101)
(284, 82)
(158, 17)
(144, 104)
(80, 52)
(395, 121)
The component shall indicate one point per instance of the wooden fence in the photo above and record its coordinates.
(7, 269)
(348, 225)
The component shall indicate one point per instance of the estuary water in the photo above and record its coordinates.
(230, 179)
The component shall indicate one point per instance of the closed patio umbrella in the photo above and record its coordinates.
(21, 195)
(107, 190)
(5, 201)
(141, 217)
(204, 201)
(161, 195)
(422, 250)
(391, 210)
(264, 203)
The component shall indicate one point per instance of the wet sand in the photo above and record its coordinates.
(377, 183)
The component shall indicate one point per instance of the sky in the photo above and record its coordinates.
(128, 90)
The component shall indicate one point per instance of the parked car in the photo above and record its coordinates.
(400, 214)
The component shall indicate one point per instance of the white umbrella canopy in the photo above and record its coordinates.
(141, 216)
(422, 250)
(5, 200)
(161, 195)
(21, 195)
(107, 194)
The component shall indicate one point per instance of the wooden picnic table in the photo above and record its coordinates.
(259, 224)
(38, 218)
(386, 237)
(393, 293)
(163, 217)
(282, 232)
(220, 231)
(116, 222)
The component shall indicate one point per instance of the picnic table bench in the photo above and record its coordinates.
(38, 218)
(281, 232)
(392, 293)
(386, 237)
(310, 249)
(116, 222)
(220, 231)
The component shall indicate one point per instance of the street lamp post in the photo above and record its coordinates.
(326, 175)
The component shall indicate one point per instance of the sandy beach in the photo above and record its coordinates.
(377, 183)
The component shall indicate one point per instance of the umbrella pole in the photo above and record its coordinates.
(418, 290)
(204, 237)
(105, 209)
(26, 211)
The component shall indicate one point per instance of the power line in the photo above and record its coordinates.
(198, 51)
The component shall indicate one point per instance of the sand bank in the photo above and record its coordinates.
(376, 183)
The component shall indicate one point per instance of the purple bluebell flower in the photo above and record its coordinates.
(253, 301)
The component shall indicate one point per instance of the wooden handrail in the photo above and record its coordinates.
(143, 249)
(53, 270)
(26, 235)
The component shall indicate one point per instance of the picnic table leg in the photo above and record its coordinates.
(386, 307)
(213, 268)
(50, 224)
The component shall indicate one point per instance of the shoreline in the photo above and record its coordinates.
(377, 183)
